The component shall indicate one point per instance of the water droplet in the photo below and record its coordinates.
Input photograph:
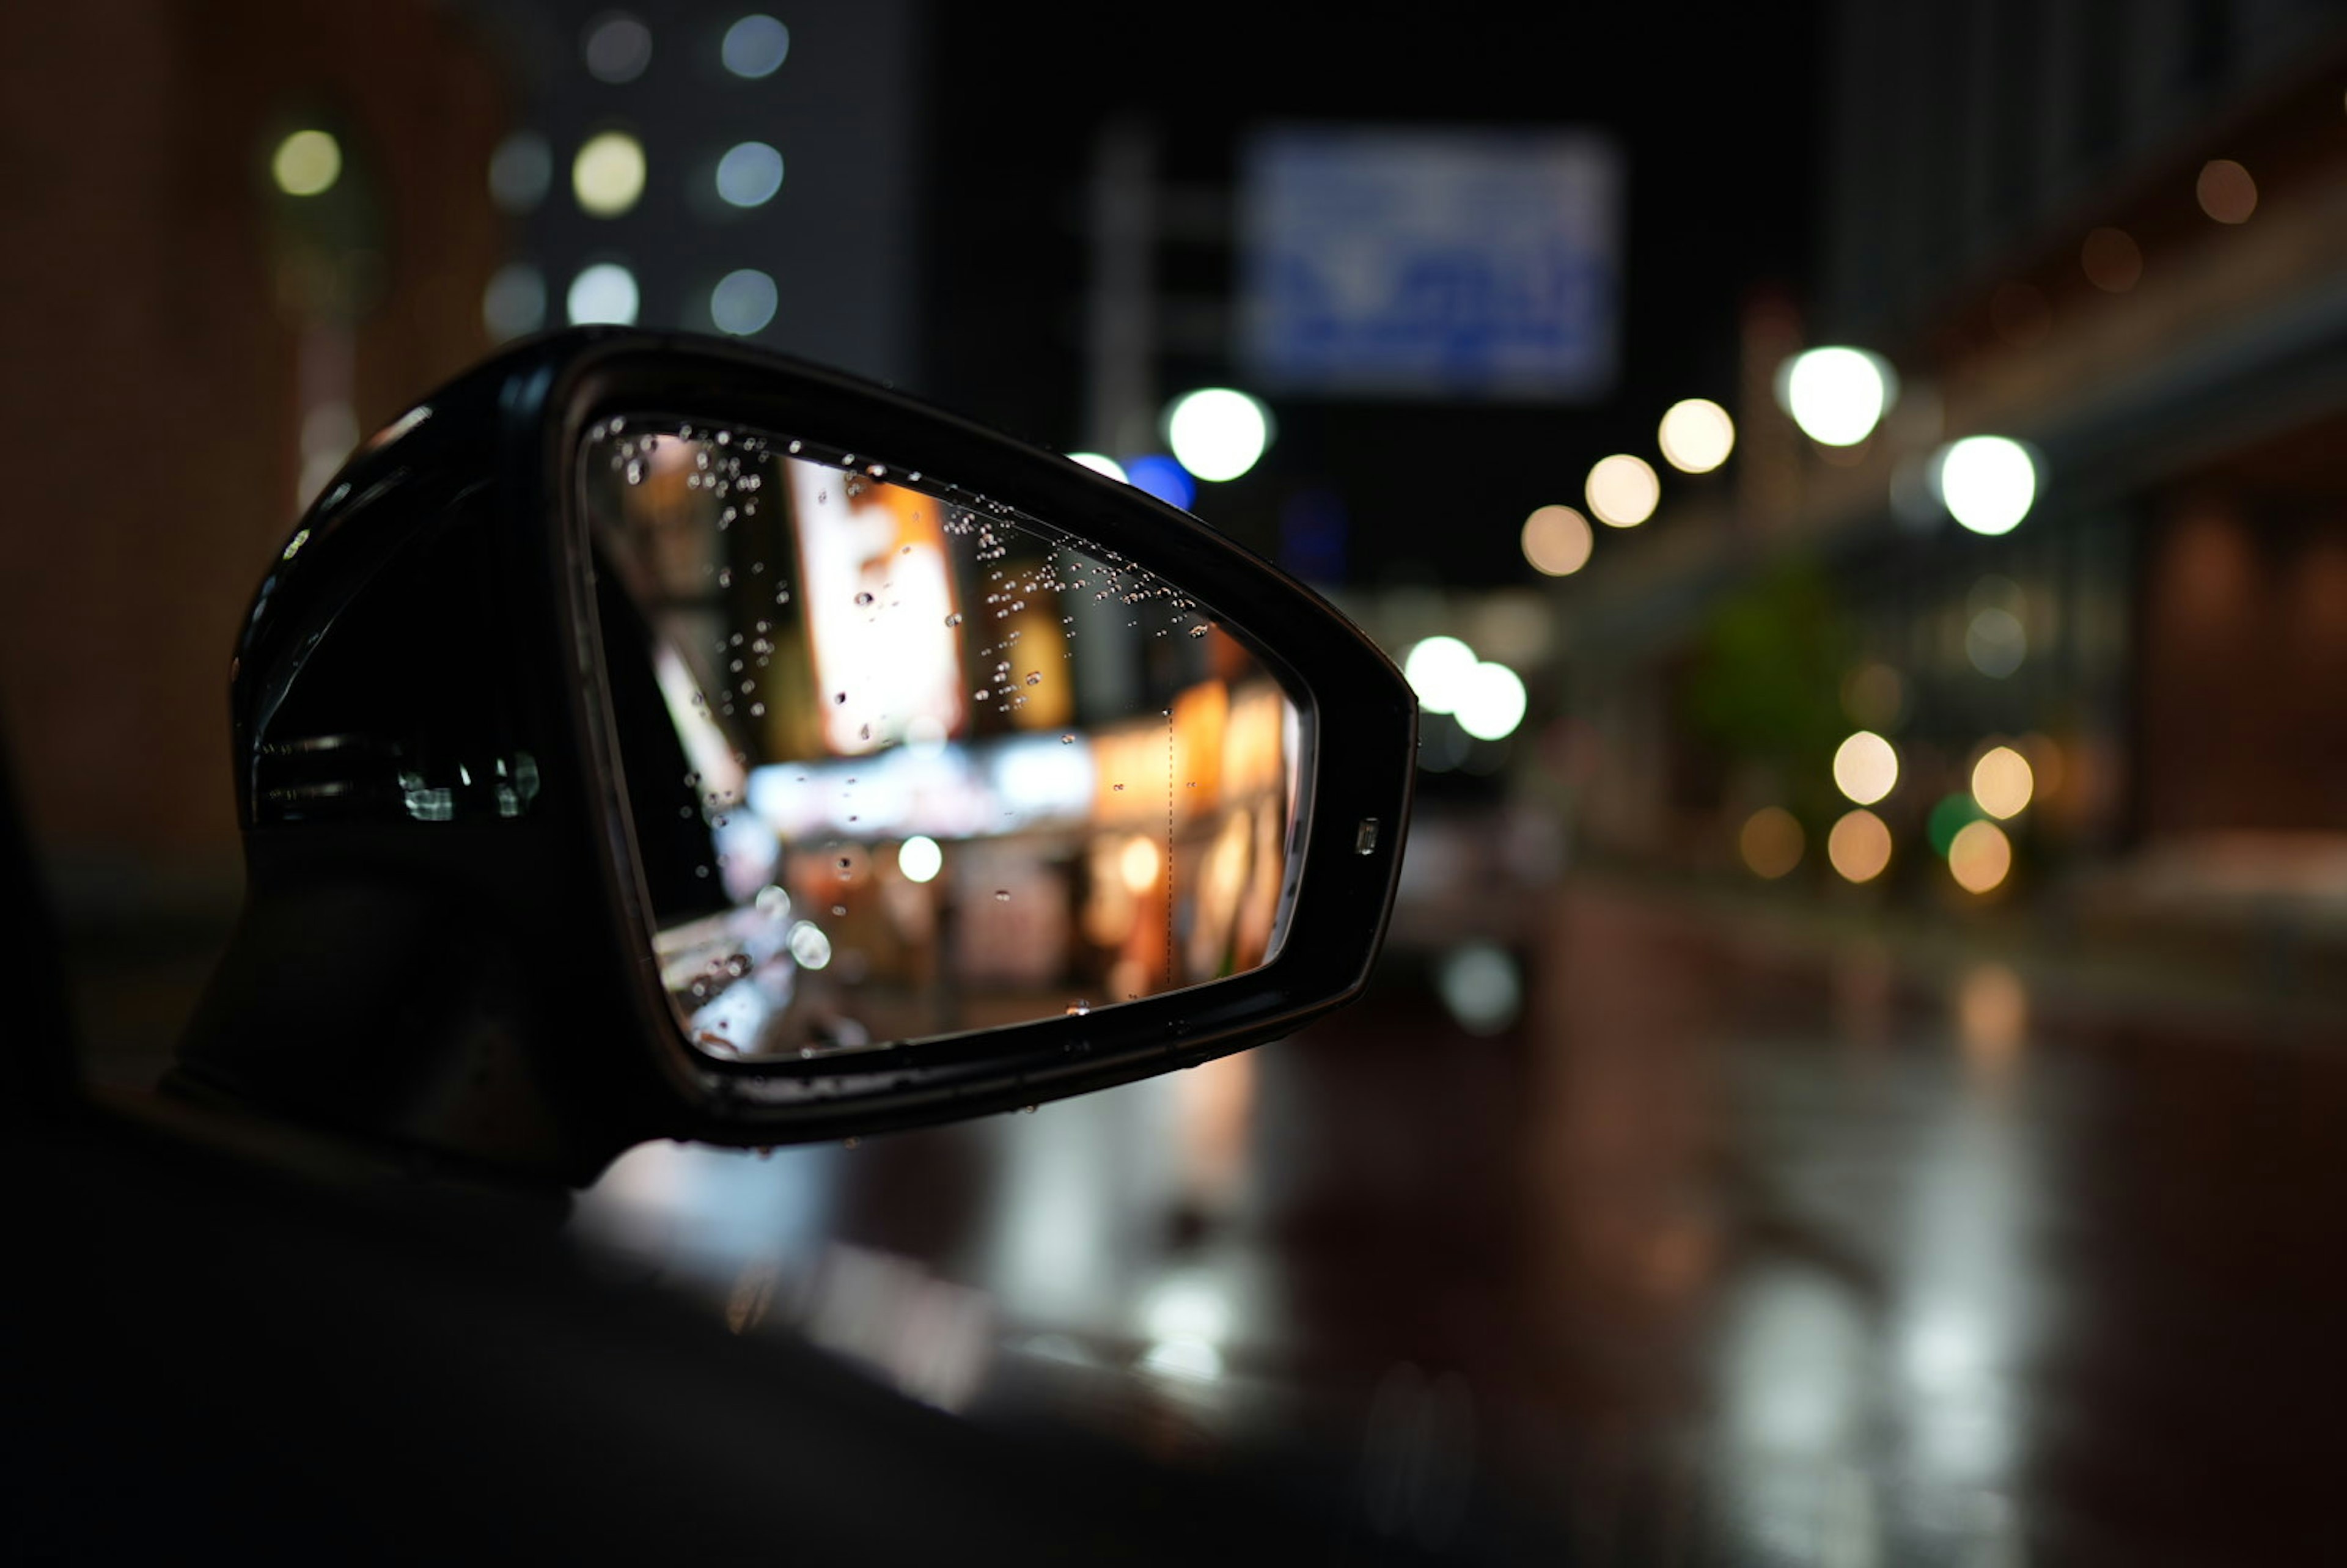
(1002, 895)
(1078, 1008)
(1034, 677)
(1200, 630)
(725, 577)
(862, 733)
(701, 871)
(1067, 740)
(954, 619)
(1026, 1111)
(1120, 788)
(839, 697)
(839, 908)
(862, 599)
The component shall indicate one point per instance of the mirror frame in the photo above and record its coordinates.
(1358, 718)
(477, 989)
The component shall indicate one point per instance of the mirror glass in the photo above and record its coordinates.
(904, 763)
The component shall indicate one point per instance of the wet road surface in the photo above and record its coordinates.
(1726, 1253)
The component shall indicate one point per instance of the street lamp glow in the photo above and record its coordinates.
(1987, 482)
(1490, 702)
(1623, 490)
(1696, 435)
(1217, 434)
(1837, 395)
(1865, 767)
(306, 163)
(1439, 670)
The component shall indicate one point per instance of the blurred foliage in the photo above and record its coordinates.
(1764, 687)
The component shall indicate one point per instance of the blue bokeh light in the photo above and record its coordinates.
(1163, 478)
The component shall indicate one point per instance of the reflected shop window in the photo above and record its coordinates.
(905, 763)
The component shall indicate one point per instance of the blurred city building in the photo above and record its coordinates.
(2111, 681)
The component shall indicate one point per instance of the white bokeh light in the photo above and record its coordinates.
(1099, 464)
(1837, 395)
(1696, 435)
(1988, 483)
(1865, 767)
(607, 175)
(1217, 434)
(1437, 670)
(920, 858)
(1490, 704)
(604, 293)
(1623, 490)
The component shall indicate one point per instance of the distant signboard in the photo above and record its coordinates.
(1430, 263)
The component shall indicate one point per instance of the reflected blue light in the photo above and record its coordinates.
(1163, 478)
(755, 46)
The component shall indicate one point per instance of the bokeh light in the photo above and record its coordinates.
(743, 302)
(2002, 782)
(1865, 767)
(2111, 259)
(604, 293)
(1439, 668)
(607, 175)
(616, 47)
(1980, 857)
(1837, 395)
(1988, 483)
(749, 174)
(2227, 192)
(1859, 847)
(1100, 465)
(513, 303)
(1557, 540)
(756, 46)
(920, 858)
(1162, 477)
(1995, 641)
(1217, 434)
(1137, 864)
(1479, 985)
(1771, 841)
(1623, 490)
(1489, 702)
(521, 171)
(1696, 435)
(306, 163)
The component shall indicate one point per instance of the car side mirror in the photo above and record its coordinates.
(646, 736)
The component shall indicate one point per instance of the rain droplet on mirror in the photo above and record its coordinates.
(1002, 895)
(954, 619)
(1078, 1008)
(1067, 740)
(863, 598)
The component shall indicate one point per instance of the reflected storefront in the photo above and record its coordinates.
(939, 766)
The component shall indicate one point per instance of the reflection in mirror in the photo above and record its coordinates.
(905, 762)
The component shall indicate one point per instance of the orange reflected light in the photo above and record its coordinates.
(1980, 857)
(1771, 841)
(1557, 540)
(2227, 192)
(2001, 782)
(1858, 846)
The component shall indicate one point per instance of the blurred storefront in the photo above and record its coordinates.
(2119, 723)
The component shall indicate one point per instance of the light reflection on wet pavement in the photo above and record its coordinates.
(1720, 1256)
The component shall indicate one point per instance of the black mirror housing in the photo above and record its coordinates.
(447, 938)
